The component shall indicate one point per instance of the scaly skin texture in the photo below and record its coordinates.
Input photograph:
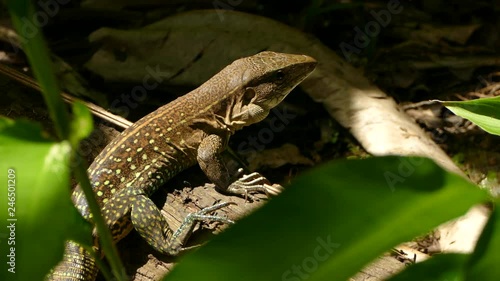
(192, 129)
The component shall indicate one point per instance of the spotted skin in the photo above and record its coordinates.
(193, 128)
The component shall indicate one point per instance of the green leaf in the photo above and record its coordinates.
(334, 220)
(82, 123)
(35, 48)
(449, 267)
(485, 261)
(483, 112)
(35, 201)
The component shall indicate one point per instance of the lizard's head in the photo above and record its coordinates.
(267, 79)
(270, 76)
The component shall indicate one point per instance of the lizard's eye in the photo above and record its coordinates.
(280, 75)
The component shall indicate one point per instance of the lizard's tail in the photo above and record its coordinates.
(76, 265)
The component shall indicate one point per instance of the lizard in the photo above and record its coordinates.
(194, 128)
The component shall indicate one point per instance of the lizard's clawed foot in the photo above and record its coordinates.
(175, 243)
(253, 182)
(202, 214)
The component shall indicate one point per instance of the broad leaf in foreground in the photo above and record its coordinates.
(334, 220)
(35, 201)
(483, 112)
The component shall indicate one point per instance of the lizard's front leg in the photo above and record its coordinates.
(211, 163)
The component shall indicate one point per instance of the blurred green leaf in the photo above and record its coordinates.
(38, 210)
(21, 11)
(485, 261)
(81, 125)
(483, 112)
(334, 220)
